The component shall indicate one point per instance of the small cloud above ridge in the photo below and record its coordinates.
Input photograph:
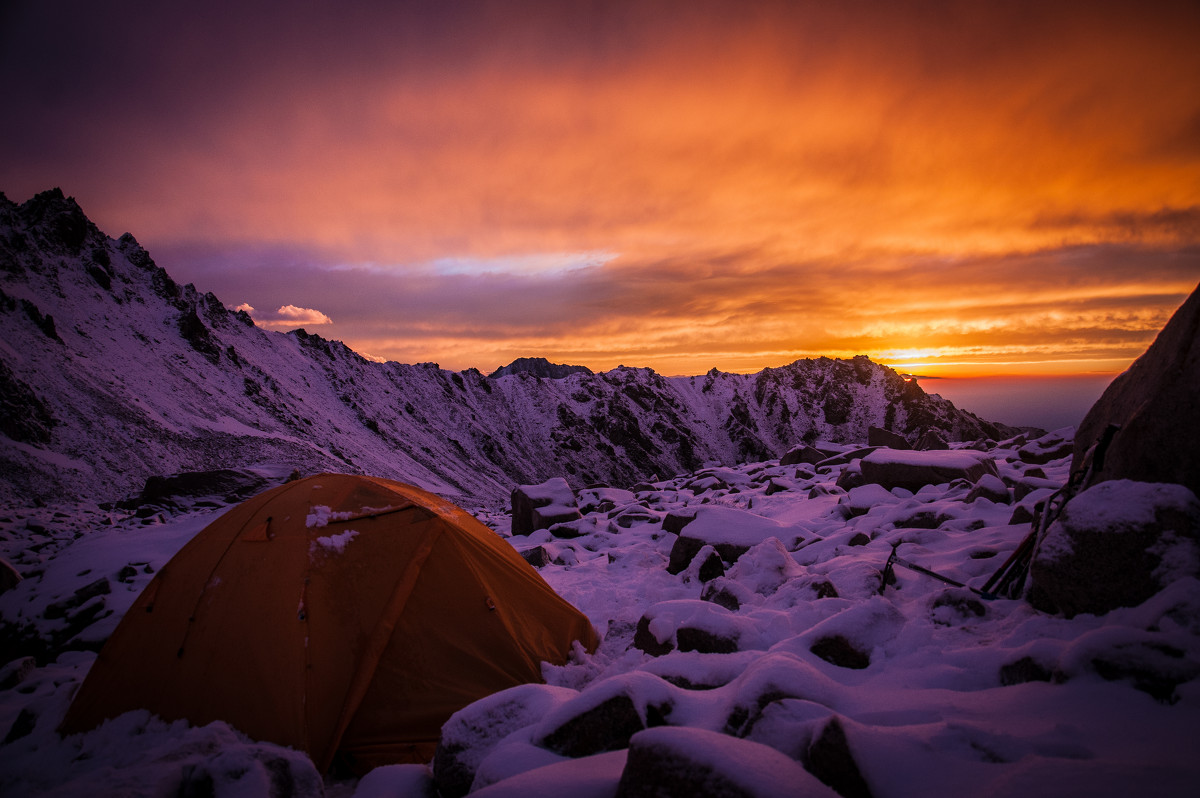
(286, 317)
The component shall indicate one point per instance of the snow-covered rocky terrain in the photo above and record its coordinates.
(750, 647)
(110, 372)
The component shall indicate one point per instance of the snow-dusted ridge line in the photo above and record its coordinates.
(111, 364)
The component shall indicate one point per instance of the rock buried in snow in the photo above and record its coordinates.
(914, 470)
(688, 625)
(476, 729)
(605, 716)
(1051, 446)
(830, 759)
(728, 530)
(991, 488)
(696, 762)
(1116, 544)
(542, 506)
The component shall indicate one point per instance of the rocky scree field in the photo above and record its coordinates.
(750, 645)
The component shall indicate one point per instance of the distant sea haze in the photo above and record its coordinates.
(1048, 402)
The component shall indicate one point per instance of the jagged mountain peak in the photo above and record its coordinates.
(111, 372)
(538, 367)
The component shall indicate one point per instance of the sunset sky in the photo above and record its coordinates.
(954, 188)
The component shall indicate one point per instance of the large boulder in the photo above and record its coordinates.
(1155, 403)
(802, 454)
(542, 506)
(1116, 544)
(878, 436)
(914, 470)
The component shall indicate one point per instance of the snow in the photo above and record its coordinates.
(321, 516)
(334, 544)
(957, 459)
(953, 695)
(1122, 504)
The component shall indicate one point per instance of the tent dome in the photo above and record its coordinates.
(345, 616)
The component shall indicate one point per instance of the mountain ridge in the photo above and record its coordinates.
(112, 372)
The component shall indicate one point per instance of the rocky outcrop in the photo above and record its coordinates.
(1154, 403)
(539, 367)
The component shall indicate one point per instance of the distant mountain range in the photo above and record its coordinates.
(111, 372)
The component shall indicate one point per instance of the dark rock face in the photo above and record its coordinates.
(877, 436)
(931, 441)
(802, 454)
(9, 578)
(228, 483)
(1116, 544)
(1155, 403)
(538, 367)
(830, 759)
(23, 416)
(837, 650)
(606, 727)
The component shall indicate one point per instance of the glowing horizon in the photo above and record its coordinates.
(965, 189)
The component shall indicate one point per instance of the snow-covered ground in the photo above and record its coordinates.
(792, 656)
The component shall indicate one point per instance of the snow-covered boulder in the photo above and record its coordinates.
(472, 732)
(1116, 544)
(914, 470)
(689, 625)
(1051, 446)
(605, 716)
(688, 761)
(728, 530)
(991, 488)
(542, 506)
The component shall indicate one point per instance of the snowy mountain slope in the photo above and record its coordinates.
(111, 372)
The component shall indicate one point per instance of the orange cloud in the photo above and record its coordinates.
(287, 317)
(1001, 184)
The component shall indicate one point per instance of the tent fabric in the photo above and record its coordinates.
(340, 615)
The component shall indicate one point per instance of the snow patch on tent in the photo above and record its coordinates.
(334, 544)
(321, 516)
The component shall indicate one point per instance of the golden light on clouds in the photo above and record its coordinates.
(993, 185)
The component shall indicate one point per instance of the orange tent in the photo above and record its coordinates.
(340, 615)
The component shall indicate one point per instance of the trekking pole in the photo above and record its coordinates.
(895, 559)
(1009, 578)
